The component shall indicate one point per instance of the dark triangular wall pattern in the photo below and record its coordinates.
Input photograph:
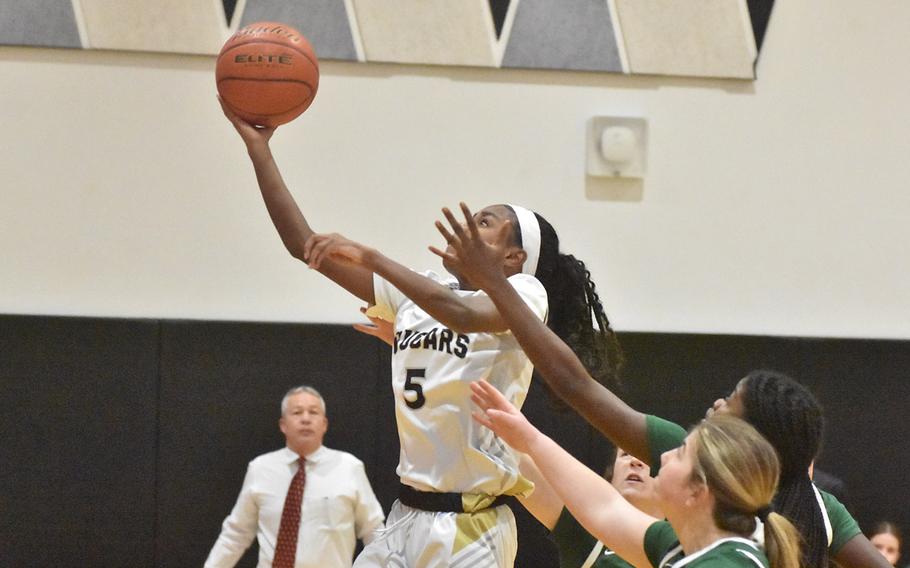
(499, 9)
(229, 6)
(760, 13)
(542, 34)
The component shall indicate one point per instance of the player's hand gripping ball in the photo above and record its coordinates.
(267, 73)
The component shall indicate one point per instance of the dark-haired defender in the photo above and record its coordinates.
(781, 409)
(453, 472)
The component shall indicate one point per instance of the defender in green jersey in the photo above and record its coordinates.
(782, 410)
(713, 489)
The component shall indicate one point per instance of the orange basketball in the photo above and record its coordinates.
(267, 73)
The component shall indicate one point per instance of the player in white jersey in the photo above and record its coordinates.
(454, 473)
(432, 367)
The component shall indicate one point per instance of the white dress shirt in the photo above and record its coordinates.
(338, 507)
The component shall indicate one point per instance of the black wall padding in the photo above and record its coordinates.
(125, 442)
(78, 450)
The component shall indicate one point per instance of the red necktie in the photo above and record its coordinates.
(286, 546)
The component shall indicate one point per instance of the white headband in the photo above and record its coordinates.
(530, 237)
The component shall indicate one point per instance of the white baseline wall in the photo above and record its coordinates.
(774, 207)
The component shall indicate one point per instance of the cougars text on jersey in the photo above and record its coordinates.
(438, 339)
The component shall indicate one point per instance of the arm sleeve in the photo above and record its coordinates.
(368, 515)
(663, 436)
(660, 538)
(238, 529)
(843, 525)
(575, 544)
(532, 292)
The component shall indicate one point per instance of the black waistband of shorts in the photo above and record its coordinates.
(440, 502)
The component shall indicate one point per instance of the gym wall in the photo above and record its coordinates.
(773, 209)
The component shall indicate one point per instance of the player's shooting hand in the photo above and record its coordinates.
(320, 247)
(468, 253)
(251, 135)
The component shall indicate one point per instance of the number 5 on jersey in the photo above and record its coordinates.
(413, 388)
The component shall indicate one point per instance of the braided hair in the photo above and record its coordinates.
(790, 417)
(576, 312)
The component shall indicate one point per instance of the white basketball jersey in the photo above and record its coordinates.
(442, 448)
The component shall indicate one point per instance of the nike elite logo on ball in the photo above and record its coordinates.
(279, 59)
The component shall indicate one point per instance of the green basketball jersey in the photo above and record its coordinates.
(664, 435)
(579, 549)
(663, 550)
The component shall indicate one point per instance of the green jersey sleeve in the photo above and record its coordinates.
(663, 435)
(576, 546)
(573, 541)
(843, 525)
(660, 539)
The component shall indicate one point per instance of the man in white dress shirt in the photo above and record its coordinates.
(338, 503)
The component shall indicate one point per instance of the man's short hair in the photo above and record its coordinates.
(297, 390)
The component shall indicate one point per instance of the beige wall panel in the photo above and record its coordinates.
(702, 38)
(182, 26)
(443, 32)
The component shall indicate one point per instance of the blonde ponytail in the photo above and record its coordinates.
(781, 542)
(741, 469)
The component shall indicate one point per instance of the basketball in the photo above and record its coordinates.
(267, 73)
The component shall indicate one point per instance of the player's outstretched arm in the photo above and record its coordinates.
(590, 498)
(858, 552)
(554, 360)
(544, 502)
(292, 226)
(461, 314)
